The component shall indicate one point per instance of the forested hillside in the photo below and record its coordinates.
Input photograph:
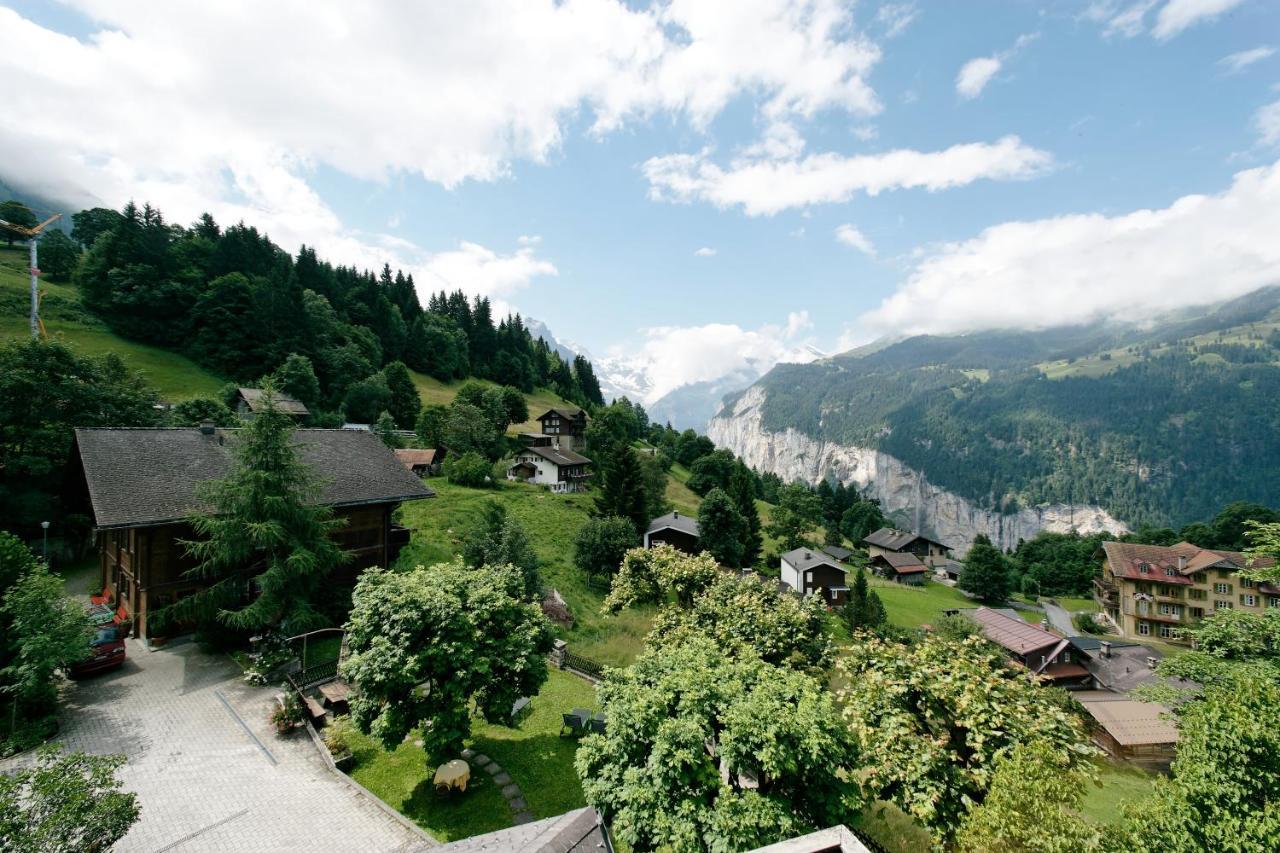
(1159, 425)
(238, 306)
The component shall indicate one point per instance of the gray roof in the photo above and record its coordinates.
(901, 562)
(559, 457)
(256, 400)
(896, 540)
(564, 413)
(807, 558)
(577, 831)
(675, 521)
(838, 552)
(139, 477)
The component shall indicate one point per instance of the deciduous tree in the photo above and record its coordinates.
(660, 574)
(721, 528)
(797, 510)
(65, 804)
(602, 543)
(404, 403)
(986, 573)
(500, 540)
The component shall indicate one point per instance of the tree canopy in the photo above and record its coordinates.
(986, 573)
(65, 804)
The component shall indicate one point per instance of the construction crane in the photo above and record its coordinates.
(33, 236)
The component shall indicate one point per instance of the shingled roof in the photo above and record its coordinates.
(256, 400)
(570, 414)
(142, 477)
(807, 558)
(903, 564)
(674, 521)
(896, 540)
(559, 457)
(1014, 634)
(1173, 564)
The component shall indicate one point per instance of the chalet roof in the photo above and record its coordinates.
(674, 521)
(256, 400)
(1172, 564)
(410, 457)
(571, 414)
(556, 456)
(1013, 634)
(1130, 722)
(837, 552)
(903, 564)
(896, 540)
(141, 477)
(807, 558)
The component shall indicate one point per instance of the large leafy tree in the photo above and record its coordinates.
(933, 720)
(1221, 791)
(15, 213)
(65, 804)
(721, 528)
(404, 404)
(986, 574)
(622, 491)
(262, 524)
(58, 255)
(424, 645)
(468, 429)
(797, 510)
(704, 751)
(500, 540)
(46, 633)
(430, 425)
(601, 545)
(297, 378)
(659, 575)
(860, 519)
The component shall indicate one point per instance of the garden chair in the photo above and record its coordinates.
(597, 725)
(572, 722)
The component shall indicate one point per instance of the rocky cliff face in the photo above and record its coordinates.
(903, 492)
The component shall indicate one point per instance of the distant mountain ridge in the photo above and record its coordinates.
(1161, 421)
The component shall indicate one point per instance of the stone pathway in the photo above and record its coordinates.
(511, 792)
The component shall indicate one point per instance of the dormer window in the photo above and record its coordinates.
(1144, 568)
(1171, 572)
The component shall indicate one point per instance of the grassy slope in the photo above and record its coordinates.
(911, 607)
(434, 391)
(176, 376)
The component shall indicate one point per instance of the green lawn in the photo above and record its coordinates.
(1119, 784)
(912, 606)
(552, 522)
(432, 390)
(539, 760)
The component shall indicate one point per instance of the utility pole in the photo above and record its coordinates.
(33, 235)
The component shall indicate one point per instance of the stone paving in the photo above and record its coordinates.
(511, 792)
(208, 768)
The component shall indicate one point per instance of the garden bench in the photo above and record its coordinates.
(518, 708)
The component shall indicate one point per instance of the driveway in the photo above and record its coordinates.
(1059, 618)
(208, 768)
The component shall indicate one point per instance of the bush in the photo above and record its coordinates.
(1088, 624)
(270, 652)
(468, 469)
(337, 735)
(288, 712)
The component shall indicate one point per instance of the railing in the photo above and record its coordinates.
(311, 676)
(586, 666)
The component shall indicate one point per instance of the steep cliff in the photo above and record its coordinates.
(903, 493)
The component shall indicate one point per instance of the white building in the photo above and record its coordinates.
(558, 470)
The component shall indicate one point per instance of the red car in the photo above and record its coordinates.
(107, 652)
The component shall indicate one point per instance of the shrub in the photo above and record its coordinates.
(1088, 624)
(468, 469)
(288, 712)
(337, 735)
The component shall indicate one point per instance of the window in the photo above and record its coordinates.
(1245, 583)
(1167, 632)
(1273, 601)
(1144, 629)
(1249, 600)
(1222, 588)
(1197, 613)
(1196, 594)
(1221, 605)
(1173, 573)
(1145, 569)
(1170, 610)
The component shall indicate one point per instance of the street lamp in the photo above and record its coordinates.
(45, 525)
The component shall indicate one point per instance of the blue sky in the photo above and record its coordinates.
(505, 182)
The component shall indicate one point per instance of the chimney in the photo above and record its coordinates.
(1044, 623)
(206, 427)
(808, 556)
(675, 514)
(1182, 562)
(1106, 648)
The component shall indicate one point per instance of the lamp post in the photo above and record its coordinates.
(45, 525)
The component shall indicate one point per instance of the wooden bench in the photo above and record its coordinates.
(315, 710)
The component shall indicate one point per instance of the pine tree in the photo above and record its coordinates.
(622, 491)
(262, 532)
(986, 572)
(743, 488)
(721, 528)
(405, 404)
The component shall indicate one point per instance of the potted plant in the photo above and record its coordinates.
(287, 714)
(337, 737)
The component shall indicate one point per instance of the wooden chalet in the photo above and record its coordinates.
(902, 567)
(887, 540)
(566, 428)
(1049, 656)
(140, 486)
(1139, 732)
(559, 469)
(250, 401)
(811, 572)
(423, 463)
(678, 531)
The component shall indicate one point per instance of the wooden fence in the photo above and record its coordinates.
(586, 666)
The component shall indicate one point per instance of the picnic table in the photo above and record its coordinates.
(335, 694)
(454, 774)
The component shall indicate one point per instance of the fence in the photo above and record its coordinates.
(586, 666)
(316, 674)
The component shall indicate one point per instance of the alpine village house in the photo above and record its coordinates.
(903, 557)
(550, 458)
(140, 486)
(1156, 590)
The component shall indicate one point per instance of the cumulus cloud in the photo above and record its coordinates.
(705, 252)
(159, 102)
(1087, 267)
(479, 270)
(1177, 15)
(975, 74)
(850, 236)
(673, 356)
(766, 186)
(1236, 62)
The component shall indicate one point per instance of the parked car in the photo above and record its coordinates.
(107, 652)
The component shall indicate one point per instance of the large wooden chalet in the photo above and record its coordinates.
(141, 487)
(566, 428)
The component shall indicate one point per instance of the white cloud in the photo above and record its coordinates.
(896, 17)
(852, 237)
(1239, 61)
(765, 187)
(975, 74)
(231, 107)
(1267, 120)
(1127, 21)
(866, 132)
(481, 271)
(705, 252)
(672, 356)
(1177, 15)
(1086, 267)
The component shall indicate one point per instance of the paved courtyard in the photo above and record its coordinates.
(208, 768)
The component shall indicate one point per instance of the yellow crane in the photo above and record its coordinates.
(33, 235)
